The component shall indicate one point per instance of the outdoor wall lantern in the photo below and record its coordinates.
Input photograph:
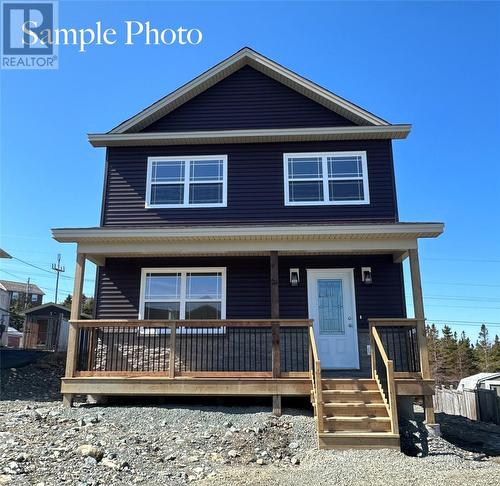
(366, 275)
(294, 277)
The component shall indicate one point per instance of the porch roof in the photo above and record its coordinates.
(100, 242)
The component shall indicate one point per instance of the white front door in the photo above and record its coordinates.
(333, 309)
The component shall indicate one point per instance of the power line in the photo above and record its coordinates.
(462, 307)
(42, 287)
(474, 260)
(460, 283)
(460, 298)
(31, 265)
(464, 322)
(48, 271)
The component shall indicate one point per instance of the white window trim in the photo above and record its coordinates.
(324, 178)
(187, 182)
(182, 298)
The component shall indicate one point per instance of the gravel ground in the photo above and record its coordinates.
(42, 443)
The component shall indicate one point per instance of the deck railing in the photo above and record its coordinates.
(405, 344)
(317, 386)
(208, 348)
(383, 373)
(398, 350)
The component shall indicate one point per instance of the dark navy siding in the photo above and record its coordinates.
(248, 285)
(244, 100)
(255, 186)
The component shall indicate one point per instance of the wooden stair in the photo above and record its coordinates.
(354, 416)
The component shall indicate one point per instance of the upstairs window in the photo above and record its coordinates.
(326, 178)
(174, 182)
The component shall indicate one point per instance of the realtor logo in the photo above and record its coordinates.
(27, 28)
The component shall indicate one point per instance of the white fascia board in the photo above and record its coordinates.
(303, 232)
(246, 136)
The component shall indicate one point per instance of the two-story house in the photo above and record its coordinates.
(250, 244)
(23, 294)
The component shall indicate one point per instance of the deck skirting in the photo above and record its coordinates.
(184, 386)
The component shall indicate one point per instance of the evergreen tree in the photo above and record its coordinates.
(16, 319)
(448, 349)
(67, 302)
(483, 351)
(435, 362)
(465, 357)
(495, 351)
(87, 304)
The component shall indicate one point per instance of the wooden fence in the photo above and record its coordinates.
(480, 404)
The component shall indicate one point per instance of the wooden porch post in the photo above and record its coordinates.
(76, 304)
(275, 314)
(418, 306)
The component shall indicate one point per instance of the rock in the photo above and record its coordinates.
(90, 461)
(193, 459)
(90, 420)
(260, 461)
(228, 424)
(293, 445)
(5, 478)
(233, 453)
(87, 450)
(198, 470)
(36, 415)
(295, 461)
(22, 458)
(109, 463)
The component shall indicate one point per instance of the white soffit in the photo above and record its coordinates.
(255, 233)
(250, 136)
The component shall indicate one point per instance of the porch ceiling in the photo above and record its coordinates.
(395, 238)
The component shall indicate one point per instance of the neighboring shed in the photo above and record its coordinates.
(487, 381)
(46, 327)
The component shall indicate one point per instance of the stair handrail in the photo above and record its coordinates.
(391, 386)
(315, 370)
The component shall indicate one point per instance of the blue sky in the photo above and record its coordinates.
(435, 65)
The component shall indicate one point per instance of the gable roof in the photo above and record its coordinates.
(4, 254)
(243, 57)
(49, 306)
(20, 287)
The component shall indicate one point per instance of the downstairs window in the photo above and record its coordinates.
(189, 293)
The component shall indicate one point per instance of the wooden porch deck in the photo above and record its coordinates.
(274, 357)
(254, 358)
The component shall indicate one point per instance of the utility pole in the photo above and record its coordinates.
(58, 269)
(27, 294)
